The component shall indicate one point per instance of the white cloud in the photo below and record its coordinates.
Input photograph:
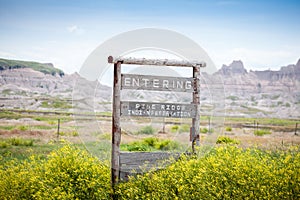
(75, 29)
(66, 55)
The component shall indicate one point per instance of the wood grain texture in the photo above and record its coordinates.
(132, 163)
(158, 62)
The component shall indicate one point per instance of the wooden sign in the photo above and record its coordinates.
(158, 83)
(142, 109)
(148, 109)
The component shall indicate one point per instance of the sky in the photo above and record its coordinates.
(263, 34)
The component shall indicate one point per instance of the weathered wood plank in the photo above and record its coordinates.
(132, 163)
(116, 127)
(158, 62)
(157, 83)
(153, 109)
(196, 102)
(137, 157)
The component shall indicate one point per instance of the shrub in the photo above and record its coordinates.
(7, 127)
(166, 145)
(228, 128)
(203, 130)
(148, 130)
(233, 98)
(227, 172)
(3, 144)
(181, 129)
(67, 173)
(136, 146)
(21, 142)
(227, 140)
(22, 128)
(75, 133)
(151, 141)
(150, 144)
(174, 128)
(262, 132)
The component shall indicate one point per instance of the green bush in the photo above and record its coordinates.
(136, 146)
(148, 130)
(180, 129)
(227, 140)
(67, 173)
(174, 128)
(166, 145)
(262, 132)
(233, 98)
(227, 172)
(7, 127)
(228, 128)
(203, 130)
(150, 141)
(74, 133)
(3, 144)
(21, 142)
(22, 128)
(150, 144)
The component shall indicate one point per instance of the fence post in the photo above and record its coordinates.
(58, 126)
(208, 124)
(296, 127)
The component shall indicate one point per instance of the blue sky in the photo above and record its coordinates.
(263, 34)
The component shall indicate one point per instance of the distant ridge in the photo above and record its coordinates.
(46, 68)
(291, 71)
(246, 93)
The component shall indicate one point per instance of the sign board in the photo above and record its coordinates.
(148, 109)
(158, 83)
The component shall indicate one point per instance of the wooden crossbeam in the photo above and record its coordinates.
(158, 62)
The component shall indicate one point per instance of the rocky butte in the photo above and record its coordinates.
(267, 93)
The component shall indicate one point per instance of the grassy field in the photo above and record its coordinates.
(244, 161)
(40, 130)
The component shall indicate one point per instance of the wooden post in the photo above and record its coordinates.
(208, 124)
(296, 127)
(116, 128)
(196, 101)
(164, 125)
(58, 126)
